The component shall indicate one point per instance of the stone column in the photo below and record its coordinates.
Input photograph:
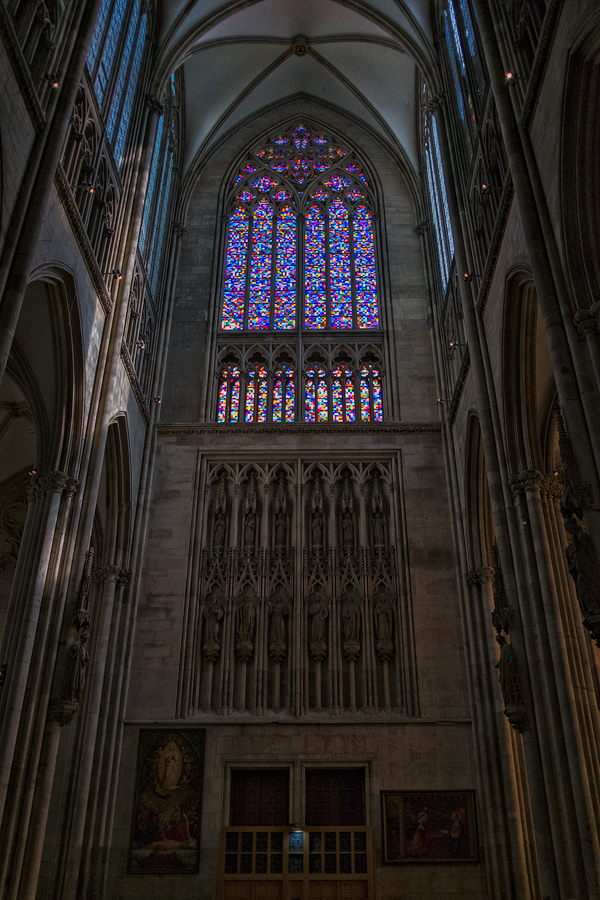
(109, 577)
(44, 494)
(565, 759)
(587, 322)
(59, 715)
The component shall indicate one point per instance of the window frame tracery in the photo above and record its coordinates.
(362, 331)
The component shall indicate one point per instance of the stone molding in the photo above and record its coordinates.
(300, 428)
(87, 251)
(51, 482)
(135, 385)
(483, 575)
(495, 243)
(154, 104)
(459, 387)
(531, 480)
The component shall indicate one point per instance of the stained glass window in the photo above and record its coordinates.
(109, 51)
(299, 255)
(301, 174)
(158, 194)
(465, 65)
(438, 198)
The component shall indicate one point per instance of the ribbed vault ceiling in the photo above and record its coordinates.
(240, 57)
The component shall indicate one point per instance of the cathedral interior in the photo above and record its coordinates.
(300, 449)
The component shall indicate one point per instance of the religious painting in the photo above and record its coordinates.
(165, 834)
(432, 827)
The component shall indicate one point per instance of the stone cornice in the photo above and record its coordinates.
(68, 201)
(459, 387)
(299, 428)
(135, 385)
(495, 243)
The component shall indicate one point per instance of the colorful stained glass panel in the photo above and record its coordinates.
(259, 293)
(339, 266)
(264, 184)
(235, 271)
(338, 182)
(285, 270)
(315, 310)
(367, 307)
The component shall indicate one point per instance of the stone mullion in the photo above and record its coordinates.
(548, 694)
(300, 662)
(261, 660)
(190, 673)
(368, 648)
(492, 734)
(225, 693)
(576, 650)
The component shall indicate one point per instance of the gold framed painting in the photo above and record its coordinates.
(165, 832)
(429, 827)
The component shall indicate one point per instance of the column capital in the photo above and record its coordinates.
(482, 575)
(587, 321)
(115, 574)
(528, 480)
(62, 712)
(436, 102)
(51, 482)
(154, 104)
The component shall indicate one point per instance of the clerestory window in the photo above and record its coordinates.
(300, 275)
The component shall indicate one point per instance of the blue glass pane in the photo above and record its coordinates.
(367, 312)
(472, 45)
(131, 86)
(151, 184)
(285, 270)
(442, 184)
(110, 47)
(163, 178)
(163, 218)
(315, 313)
(121, 77)
(97, 35)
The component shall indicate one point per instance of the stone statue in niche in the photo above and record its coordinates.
(377, 526)
(383, 626)
(348, 531)
(244, 624)
(317, 531)
(219, 516)
(318, 611)
(585, 572)
(250, 516)
(510, 685)
(280, 516)
(347, 516)
(279, 608)
(219, 533)
(79, 658)
(317, 521)
(213, 614)
(351, 624)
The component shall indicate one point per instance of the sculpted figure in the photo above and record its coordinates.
(246, 616)
(79, 658)
(213, 615)
(348, 531)
(317, 530)
(280, 529)
(318, 611)
(279, 608)
(249, 529)
(351, 625)
(510, 685)
(378, 533)
(219, 532)
(585, 571)
(383, 626)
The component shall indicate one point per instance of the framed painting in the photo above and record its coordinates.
(429, 827)
(165, 832)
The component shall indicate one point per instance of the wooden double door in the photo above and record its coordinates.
(314, 863)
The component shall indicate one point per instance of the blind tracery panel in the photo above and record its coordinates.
(320, 274)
